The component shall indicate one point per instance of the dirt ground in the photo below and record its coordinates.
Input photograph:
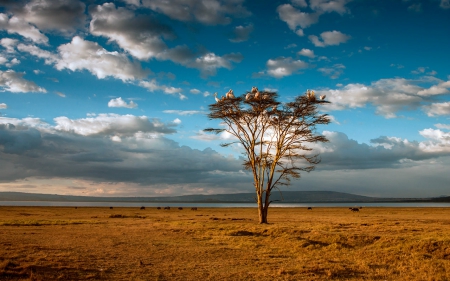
(56, 243)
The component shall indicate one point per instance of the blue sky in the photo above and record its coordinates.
(110, 98)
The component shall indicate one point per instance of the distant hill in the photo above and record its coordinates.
(288, 197)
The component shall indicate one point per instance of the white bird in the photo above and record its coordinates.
(257, 94)
(274, 108)
(254, 90)
(248, 96)
(323, 97)
(215, 96)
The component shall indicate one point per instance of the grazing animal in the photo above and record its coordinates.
(180, 208)
(309, 208)
(194, 208)
(142, 208)
(110, 207)
(216, 98)
(167, 208)
(323, 97)
(354, 209)
(76, 207)
(158, 208)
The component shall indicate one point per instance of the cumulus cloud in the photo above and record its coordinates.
(119, 102)
(14, 82)
(333, 72)
(48, 57)
(112, 124)
(82, 54)
(295, 18)
(241, 33)
(138, 35)
(21, 27)
(195, 91)
(204, 11)
(283, 66)
(307, 53)
(298, 20)
(153, 86)
(132, 157)
(387, 95)
(57, 15)
(445, 4)
(184, 112)
(3, 106)
(329, 38)
(9, 44)
(437, 109)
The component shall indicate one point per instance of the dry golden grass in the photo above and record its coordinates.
(53, 243)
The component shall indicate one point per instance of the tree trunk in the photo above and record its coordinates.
(262, 212)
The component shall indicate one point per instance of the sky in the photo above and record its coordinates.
(103, 98)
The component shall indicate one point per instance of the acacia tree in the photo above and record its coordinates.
(273, 136)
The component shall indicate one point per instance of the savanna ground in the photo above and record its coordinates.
(55, 243)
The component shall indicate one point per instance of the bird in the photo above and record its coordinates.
(248, 96)
(266, 96)
(257, 94)
(274, 108)
(230, 94)
(254, 90)
(323, 97)
(215, 96)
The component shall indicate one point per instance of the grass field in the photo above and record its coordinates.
(55, 243)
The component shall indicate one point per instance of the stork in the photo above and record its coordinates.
(230, 94)
(248, 96)
(257, 94)
(323, 97)
(254, 90)
(215, 96)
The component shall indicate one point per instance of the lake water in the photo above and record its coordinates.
(216, 205)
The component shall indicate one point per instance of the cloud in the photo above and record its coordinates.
(241, 33)
(148, 161)
(112, 124)
(48, 57)
(307, 53)
(184, 112)
(119, 102)
(294, 18)
(9, 44)
(445, 4)
(14, 82)
(203, 11)
(437, 109)
(23, 28)
(3, 106)
(283, 66)
(195, 91)
(60, 94)
(139, 35)
(81, 54)
(65, 16)
(329, 38)
(333, 72)
(210, 62)
(153, 86)
(388, 96)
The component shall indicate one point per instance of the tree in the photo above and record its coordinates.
(273, 136)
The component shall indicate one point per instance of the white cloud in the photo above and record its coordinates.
(112, 125)
(210, 62)
(81, 54)
(19, 26)
(436, 109)
(328, 6)
(204, 11)
(445, 4)
(153, 86)
(184, 112)
(333, 72)
(195, 91)
(441, 88)
(9, 44)
(182, 97)
(119, 102)
(282, 66)
(3, 106)
(307, 53)
(38, 52)
(60, 94)
(176, 121)
(14, 82)
(141, 36)
(388, 96)
(60, 15)
(241, 33)
(443, 126)
(329, 38)
(295, 18)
